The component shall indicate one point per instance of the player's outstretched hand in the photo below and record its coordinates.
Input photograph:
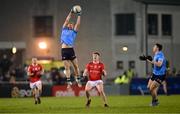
(149, 58)
(72, 11)
(142, 58)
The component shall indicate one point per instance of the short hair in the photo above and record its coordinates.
(159, 46)
(34, 58)
(97, 53)
(71, 22)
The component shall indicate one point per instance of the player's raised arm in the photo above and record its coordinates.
(78, 22)
(67, 19)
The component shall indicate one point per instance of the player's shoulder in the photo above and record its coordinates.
(30, 66)
(160, 54)
(39, 65)
(91, 63)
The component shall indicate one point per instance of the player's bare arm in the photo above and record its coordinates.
(30, 73)
(104, 73)
(42, 72)
(77, 25)
(85, 73)
(67, 19)
(159, 63)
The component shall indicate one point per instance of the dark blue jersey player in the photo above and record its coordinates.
(159, 72)
(68, 37)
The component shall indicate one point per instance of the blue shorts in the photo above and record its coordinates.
(158, 78)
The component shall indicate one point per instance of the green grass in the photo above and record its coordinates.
(118, 104)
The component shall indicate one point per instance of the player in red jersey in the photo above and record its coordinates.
(95, 70)
(35, 71)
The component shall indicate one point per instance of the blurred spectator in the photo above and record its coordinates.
(5, 64)
(58, 77)
(1, 78)
(15, 92)
(130, 73)
(25, 69)
(62, 78)
(178, 73)
(12, 79)
(54, 75)
(122, 79)
(46, 77)
(173, 72)
(6, 77)
(19, 73)
(168, 70)
(149, 74)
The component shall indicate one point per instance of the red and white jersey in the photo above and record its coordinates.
(95, 70)
(35, 70)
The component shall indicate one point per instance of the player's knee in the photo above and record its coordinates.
(151, 88)
(86, 90)
(66, 65)
(33, 93)
(100, 92)
(40, 90)
(76, 67)
(67, 68)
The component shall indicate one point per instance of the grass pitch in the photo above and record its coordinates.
(64, 105)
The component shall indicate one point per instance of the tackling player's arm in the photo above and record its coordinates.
(78, 22)
(67, 19)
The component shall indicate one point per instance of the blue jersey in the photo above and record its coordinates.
(162, 69)
(68, 36)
